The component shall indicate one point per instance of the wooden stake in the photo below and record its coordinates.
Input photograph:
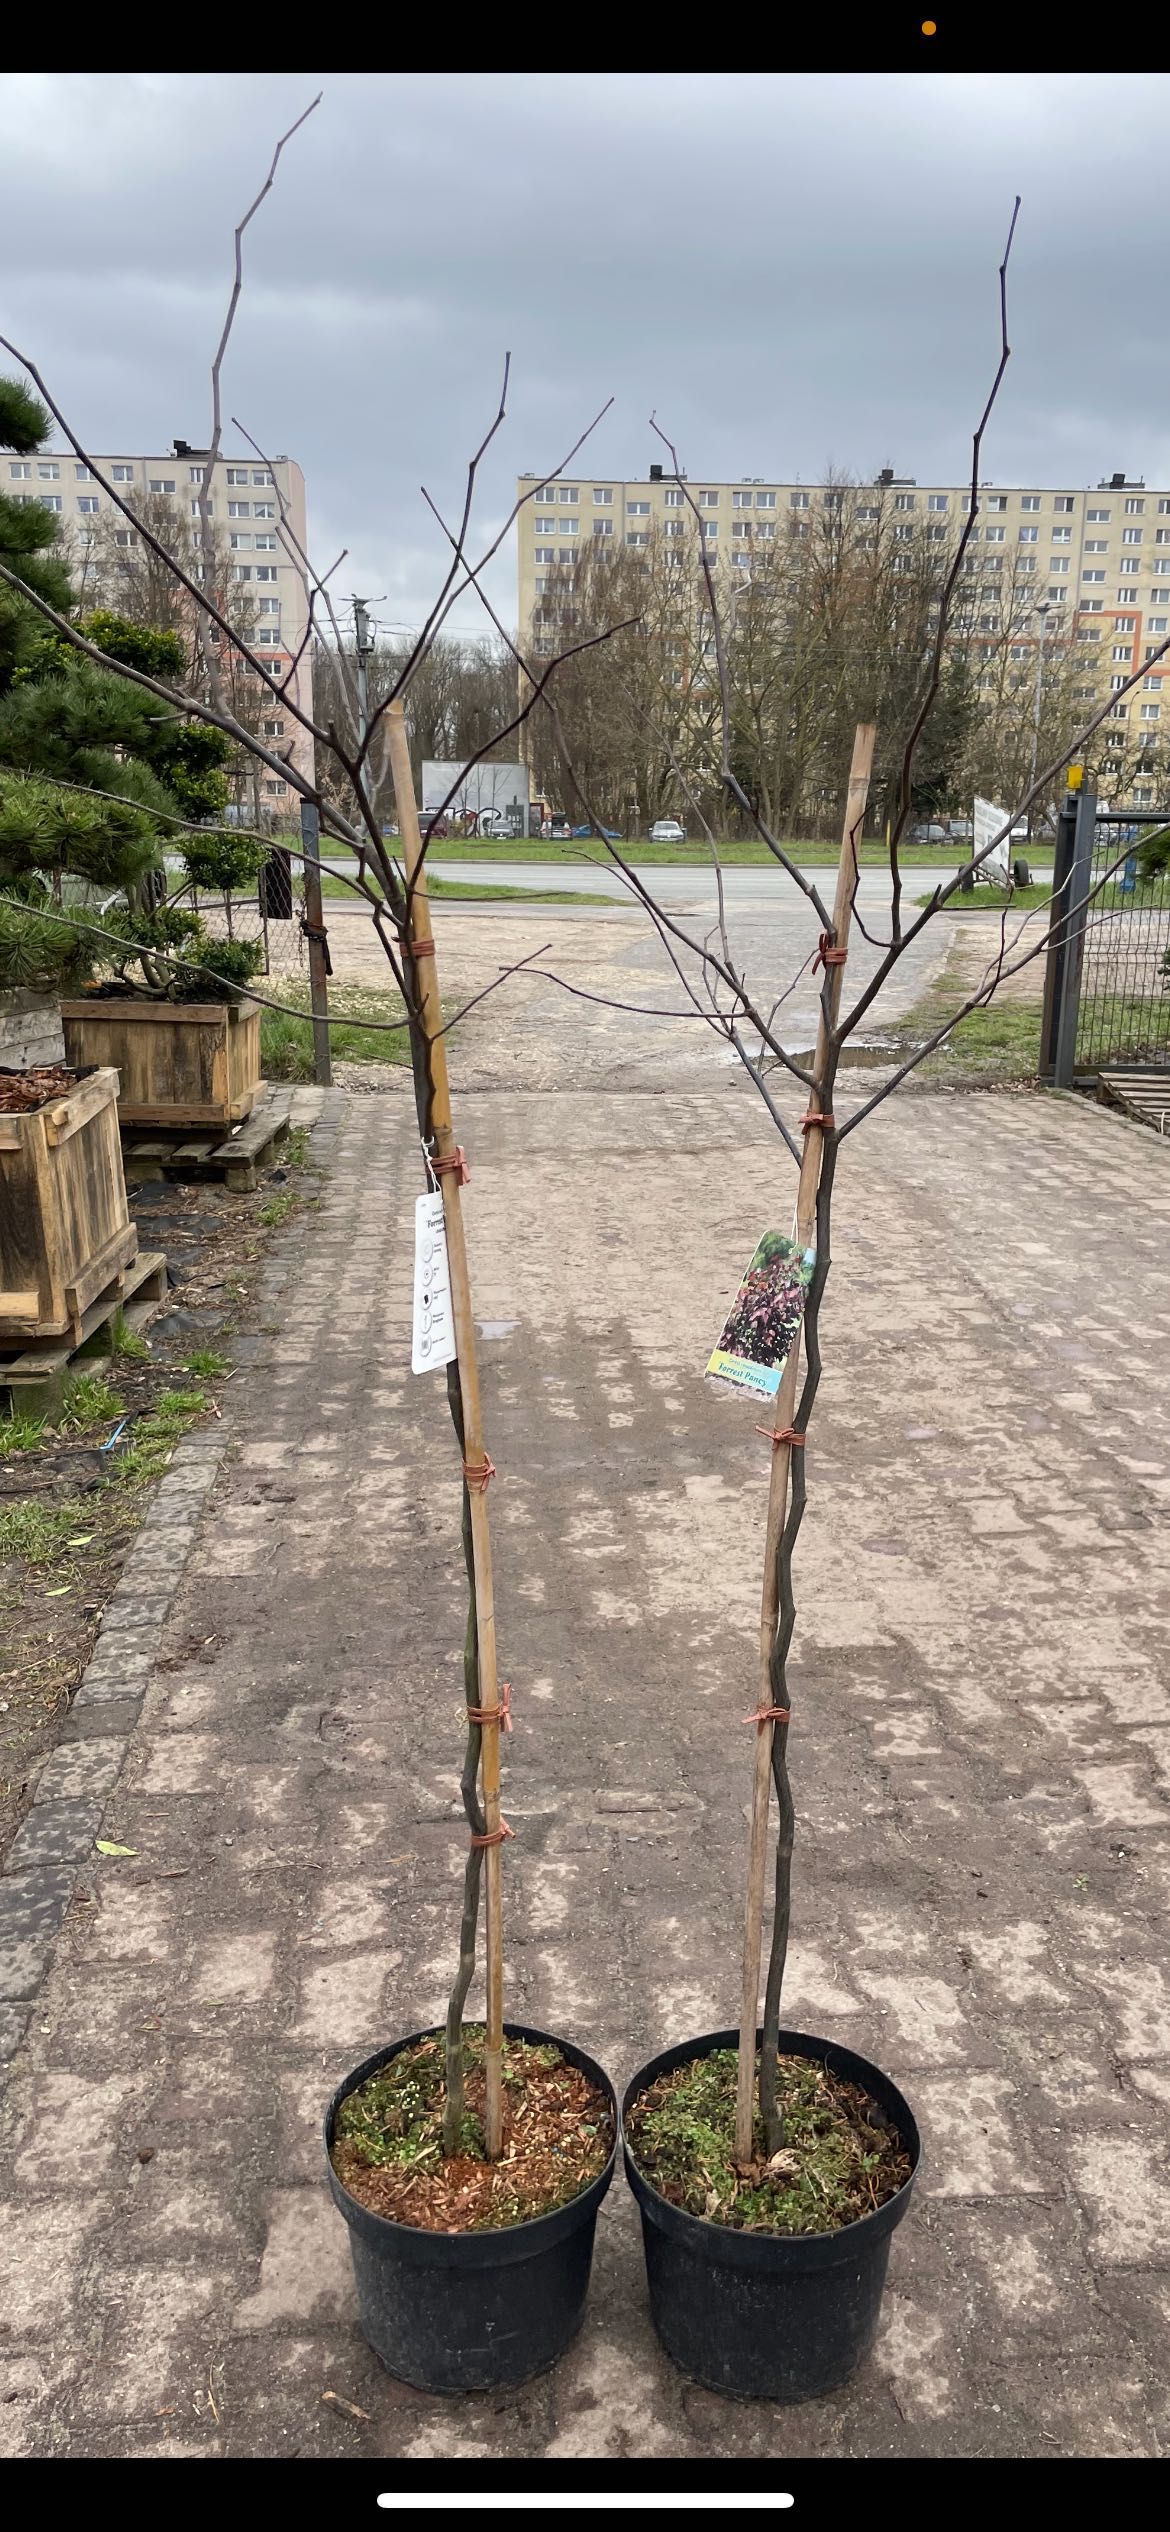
(806, 1215)
(427, 987)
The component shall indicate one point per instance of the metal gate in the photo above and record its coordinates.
(1107, 986)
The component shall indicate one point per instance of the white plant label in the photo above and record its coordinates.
(433, 1343)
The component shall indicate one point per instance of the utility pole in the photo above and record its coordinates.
(363, 647)
(1042, 612)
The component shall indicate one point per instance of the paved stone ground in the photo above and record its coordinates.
(981, 1752)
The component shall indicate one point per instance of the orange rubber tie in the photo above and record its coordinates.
(816, 1116)
(456, 1160)
(478, 1474)
(501, 1714)
(796, 1441)
(826, 955)
(769, 1714)
(494, 1837)
(422, 949)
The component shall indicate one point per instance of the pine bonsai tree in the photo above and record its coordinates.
(95, 783)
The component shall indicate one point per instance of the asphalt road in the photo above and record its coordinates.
(672, 884)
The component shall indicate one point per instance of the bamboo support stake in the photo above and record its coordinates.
(806, 1210)
(426, 983)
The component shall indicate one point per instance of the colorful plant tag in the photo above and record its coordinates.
(433, 1342)
(765, 1318)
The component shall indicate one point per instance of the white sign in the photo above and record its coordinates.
(433, 1342)
(491, 797)
(988, 822)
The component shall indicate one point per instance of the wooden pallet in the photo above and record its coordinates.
(236, 1160)
(1144, 1095)
(139, 1292)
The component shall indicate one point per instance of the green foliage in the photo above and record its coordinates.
(840, 2159)
(1153, 855)
(195, 967)
(206, 1364)
(224, 860)
(28, 538)
(36, 1531)
(277, 1209)
(157, 654)
(125, 1342)
(20, 1432)
(90, 1401)
(39, 954)
(24, 421)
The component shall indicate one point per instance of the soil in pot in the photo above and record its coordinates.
(387, 2142)
(841, 2159)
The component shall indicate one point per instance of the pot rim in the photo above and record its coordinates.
(737, 2242)
(535, 2233)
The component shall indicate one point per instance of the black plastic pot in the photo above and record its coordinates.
(467, 2311)
(760, 2315)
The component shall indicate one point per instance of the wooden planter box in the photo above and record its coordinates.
(181, 1063)
(65, 1228)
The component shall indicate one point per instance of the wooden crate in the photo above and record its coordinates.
(65, 1228)
(181, 1063)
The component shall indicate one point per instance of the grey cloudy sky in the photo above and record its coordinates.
(794, 270)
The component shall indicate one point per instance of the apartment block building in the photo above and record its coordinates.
(1097, 558)
(246, 509)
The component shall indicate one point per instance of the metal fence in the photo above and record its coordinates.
(1107, 988)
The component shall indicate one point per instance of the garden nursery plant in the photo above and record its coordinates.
(770, 2166)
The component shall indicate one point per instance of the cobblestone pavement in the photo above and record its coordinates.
(980, 1748)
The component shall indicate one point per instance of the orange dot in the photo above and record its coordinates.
(929, 27)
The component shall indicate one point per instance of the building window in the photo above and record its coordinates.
(741, 500)
(1062, 536)
(237, 474)
(1151, 712)
(274, 729)
(238, 510)
(194, 474)
(603, 527)
(673, 497)
(270, 606)
(162, 483)
(710, 501)
(603, 496)
(266, 571)
(266, 545)
(239, 541)
(547, 492)
(49, 471)
(1092, 575)
(1116, 684)
(1058, 595)
(904, 534)
(765, 527)
(1029, 501)
(1028, 535)
(1152, 682)
(570, 495)
(1027, 562)
(122, 474)
(546, 527)
(1131, 536)
(905, 501)
(241, 571)
(544, 554)
(88, 502)
(1093, 606)
(264, 509)
(1127, 597)
(938, 501)
(637, 536)
(765, 501)
(276, 790)
(996, 501)
(710, 528)
(1059, 562)
(21, 471)
(1064, 501)
(1096, 545)
(798, 500)
(637, 509)
(1123, 624)
(262, 476)
(1098, 518)
(674, 527)
(995, 536)
(1121, 650)
(1134, 508)
(1158, 623)
(82, 475)
(566, 554)
(1161, 564)
(50, 500)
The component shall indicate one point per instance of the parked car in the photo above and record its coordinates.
(610, 833)
(667, 831)
(927, 834)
